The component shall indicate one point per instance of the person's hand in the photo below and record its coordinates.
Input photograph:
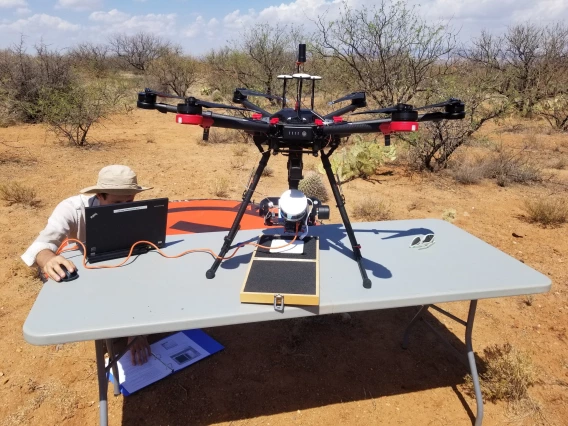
(140, 350)
(50, 264)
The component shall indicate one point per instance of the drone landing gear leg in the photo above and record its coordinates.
(341, 206)
(235, 228)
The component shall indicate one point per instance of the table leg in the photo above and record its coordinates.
(472, 365)
(418, 316)
(103, 382)
(469, 347)
(112, 355)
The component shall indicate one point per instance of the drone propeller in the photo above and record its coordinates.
(349, 97)
(389, 110)
(163, 95)
(191, 102)
(248, 92)
(449, 102)
(406, 112)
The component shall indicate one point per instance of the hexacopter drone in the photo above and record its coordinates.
(294, 132)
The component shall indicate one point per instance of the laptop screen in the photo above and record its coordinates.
(111, 230)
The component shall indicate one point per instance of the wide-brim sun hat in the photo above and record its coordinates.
(116, 179)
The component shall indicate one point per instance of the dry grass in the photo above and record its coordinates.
(220, 136)
(449, 215)
(221, 187)
(16, 193)
(508, 374)
(469, 171)
(240, 151)
(509, 166)
(372, 210)
(505, 165)
(268, 171)
(239, 163)
(560, 163)
(547, 211)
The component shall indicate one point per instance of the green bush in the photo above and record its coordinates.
(360, 160)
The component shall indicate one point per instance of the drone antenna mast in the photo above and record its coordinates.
(300, 62)
(314, 78)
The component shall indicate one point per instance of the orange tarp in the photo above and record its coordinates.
(194, 216)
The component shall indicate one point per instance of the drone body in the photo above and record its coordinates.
(294, 132)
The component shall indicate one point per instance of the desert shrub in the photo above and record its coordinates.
(228, 136)
(220, 187)
(360, 160)
(509, 166)
(313, 186)
(173, 73)
(508, 374)
(469, 171)
(547, 211)
(70, 113)
(23, 77)
(16, 193)
(371, 210)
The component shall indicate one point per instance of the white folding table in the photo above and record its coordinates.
(153, 294)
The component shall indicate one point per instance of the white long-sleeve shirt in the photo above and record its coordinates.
(66, 221)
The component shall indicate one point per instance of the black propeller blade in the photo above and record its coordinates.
(248, 92)
(206, 104)
(349, 97)
(389, 110)
(190, 103)
(451, 101)
(163, 95)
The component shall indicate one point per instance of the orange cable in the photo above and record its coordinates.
(62, 249)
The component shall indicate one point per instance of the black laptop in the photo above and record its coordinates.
(112, 229)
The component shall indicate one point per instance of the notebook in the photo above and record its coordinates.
(169, 355)
(111, 230)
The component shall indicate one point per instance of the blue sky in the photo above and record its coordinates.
(199, 26)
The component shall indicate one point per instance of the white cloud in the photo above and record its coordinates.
(23, 11)
(201, 28)
(120, 22)
(13, 3)
(112, 16)
(79, 4)
(39, 23)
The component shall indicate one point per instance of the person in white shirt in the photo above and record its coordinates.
(116, 184)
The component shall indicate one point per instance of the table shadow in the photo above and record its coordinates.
(283, 366)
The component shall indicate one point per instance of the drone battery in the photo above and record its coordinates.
(299, 133)
(280, 268)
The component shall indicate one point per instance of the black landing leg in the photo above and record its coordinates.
(236, 224)
(341, 206)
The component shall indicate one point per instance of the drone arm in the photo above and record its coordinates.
(238, 123)
(349, 128)
(248, 104)
(164, 108)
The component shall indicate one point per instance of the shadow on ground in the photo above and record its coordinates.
(283, 366)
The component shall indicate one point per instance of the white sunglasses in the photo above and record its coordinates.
(422, 242)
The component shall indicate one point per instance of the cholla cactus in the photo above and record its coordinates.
(312, 185)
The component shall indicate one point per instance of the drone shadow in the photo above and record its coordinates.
(288, 366)
(331, 238)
